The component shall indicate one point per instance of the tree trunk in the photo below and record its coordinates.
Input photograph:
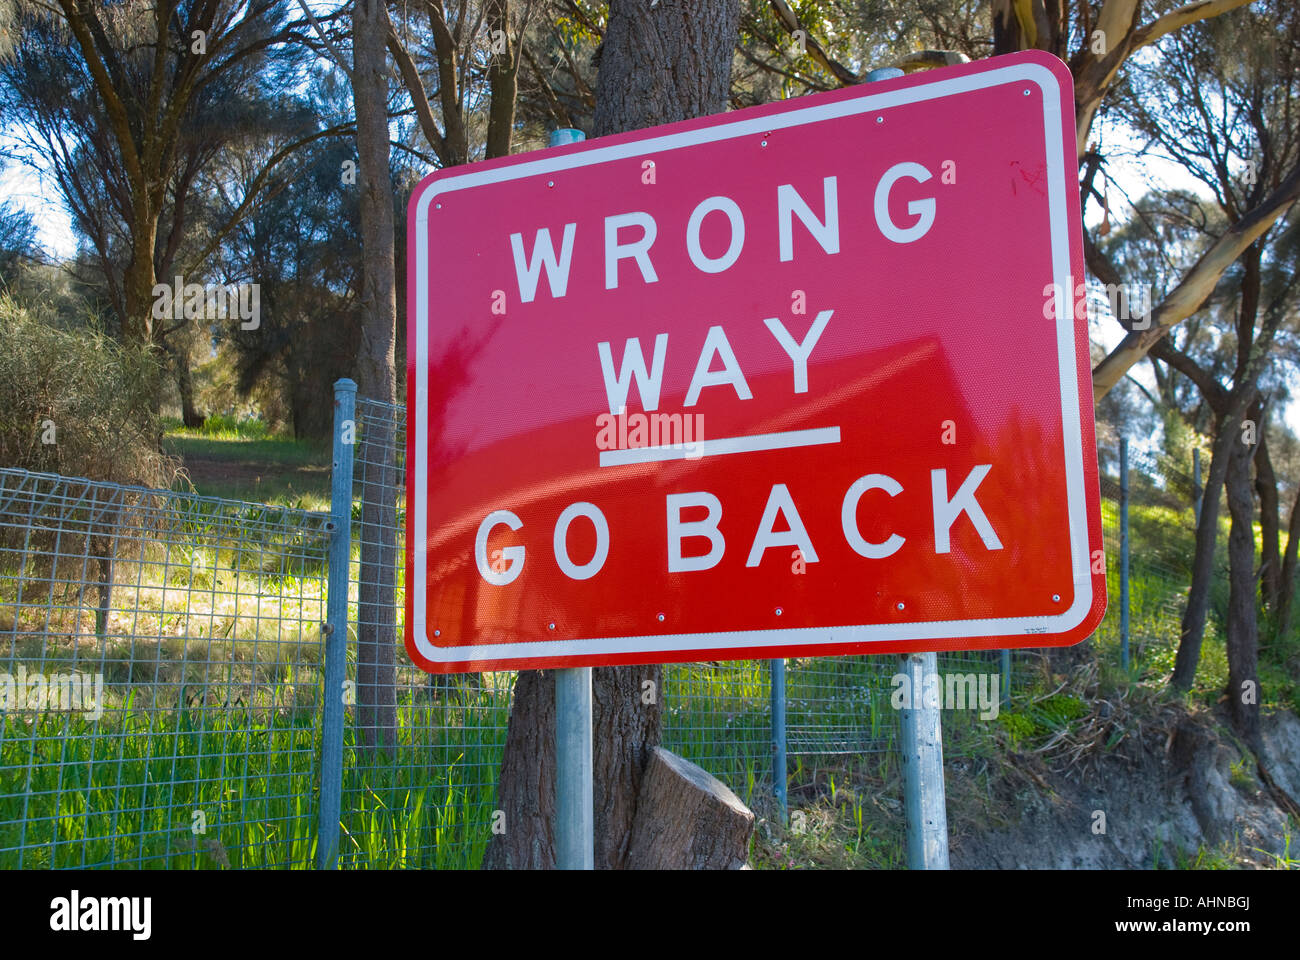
(1198, 596)
(1270, 571)
(665, 62)
(1289, 570)
(138, 281)
(658, 63)
(1243, 627)
(503, 75)
(376, 608)
(190, 414)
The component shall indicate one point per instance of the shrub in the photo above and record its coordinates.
(91, 397)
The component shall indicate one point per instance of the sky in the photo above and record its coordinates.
(1134, 178)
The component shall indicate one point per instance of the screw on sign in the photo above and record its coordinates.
(632, 402)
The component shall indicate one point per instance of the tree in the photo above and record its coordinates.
(658, 63)
(301, 245)
(376, 609)
(128, 106)
(1099, 44)
(1234, 130)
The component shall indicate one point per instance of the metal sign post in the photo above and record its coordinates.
(574, 805)
(923, 790)
(574, 798)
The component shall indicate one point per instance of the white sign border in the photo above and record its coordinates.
(502, 653)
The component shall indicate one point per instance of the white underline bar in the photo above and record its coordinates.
(721, 445)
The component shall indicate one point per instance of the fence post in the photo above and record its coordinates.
(336, 625)
(779, 770)
(1123, 552)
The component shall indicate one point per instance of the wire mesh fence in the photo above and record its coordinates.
(160, 671)
(163, 665)
(1156, 500)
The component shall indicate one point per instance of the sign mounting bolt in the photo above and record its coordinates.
(661, 618)
(551, 625)
(900, 605)
(779, 611)
(437, 633)
(1056, 598)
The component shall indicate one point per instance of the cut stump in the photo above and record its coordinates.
(687, 819)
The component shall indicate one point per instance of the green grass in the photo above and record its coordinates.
(244, 461)
(125, 791)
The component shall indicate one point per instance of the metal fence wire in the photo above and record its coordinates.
(160, 668)
(183, 679)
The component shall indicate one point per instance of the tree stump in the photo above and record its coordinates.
(687, 819)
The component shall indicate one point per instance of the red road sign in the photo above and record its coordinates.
(801, 379)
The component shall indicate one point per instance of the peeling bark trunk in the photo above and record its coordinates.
(661, 63)
(1243, 628)
(1198, 595)
(1289, 569)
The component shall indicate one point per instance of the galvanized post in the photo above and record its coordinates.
(574, 801)
(336, 625)
(882, 73)
(1006, 678)
(1197, 491)
(923, 789)
(779, 771)
(1123, 552)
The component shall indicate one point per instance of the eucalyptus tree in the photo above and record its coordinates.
(127, 104)
(1219, 100)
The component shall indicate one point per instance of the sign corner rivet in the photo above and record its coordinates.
(900, 605)
(779, 611)
(550, 183)
(551, 625)
(1056, 598)
(437, 633)
(661, 618)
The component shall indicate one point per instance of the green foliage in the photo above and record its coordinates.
(220, 426)
(75, 402)
(1019, 726)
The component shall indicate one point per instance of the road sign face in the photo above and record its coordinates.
(803, 379)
